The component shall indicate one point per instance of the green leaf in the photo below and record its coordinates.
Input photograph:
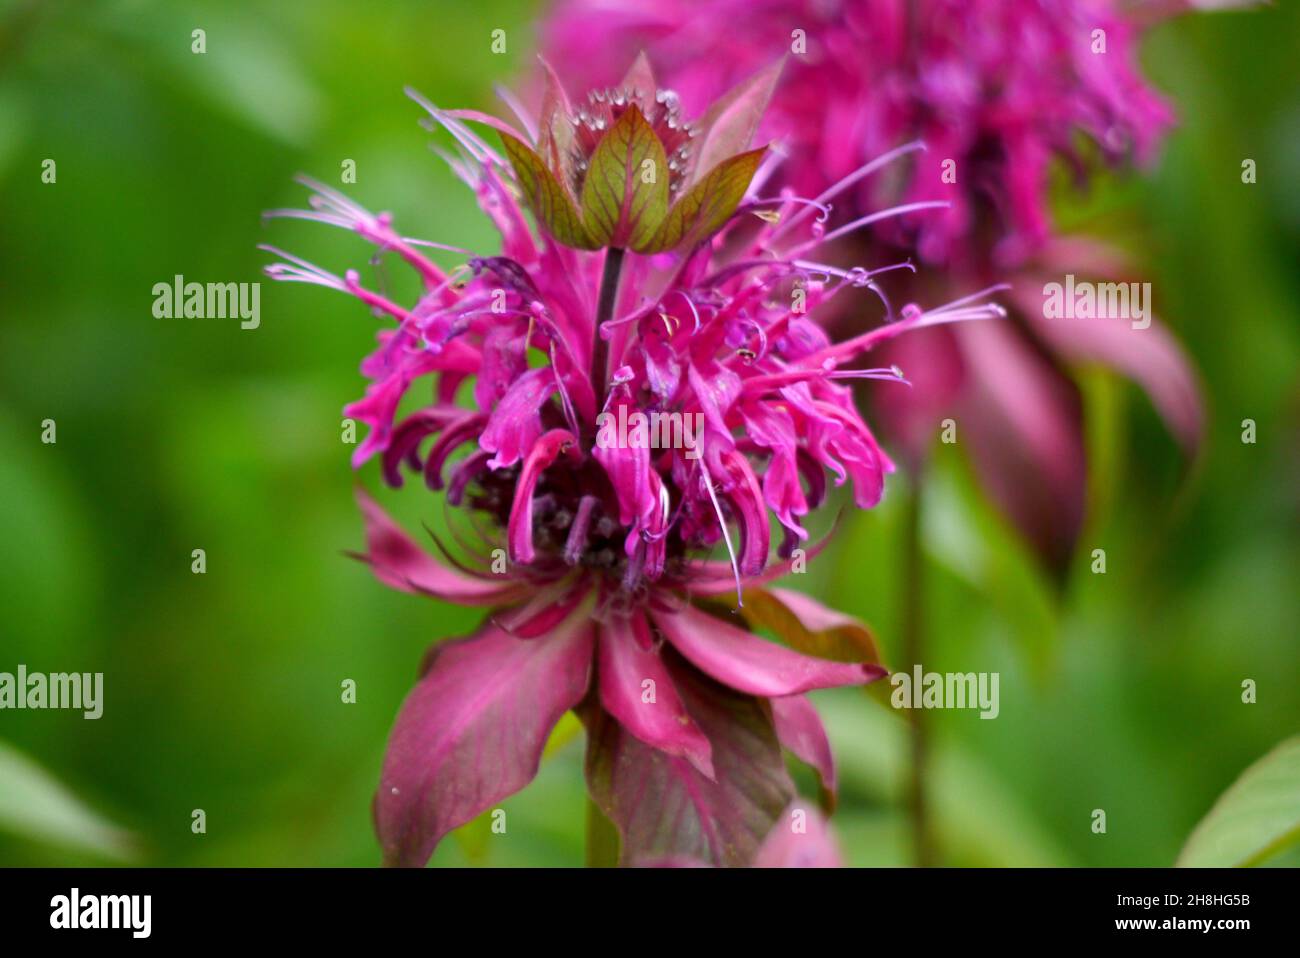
(707, 206)
(35, 805)
(1255, 819)
(625, 194)
(549, 200)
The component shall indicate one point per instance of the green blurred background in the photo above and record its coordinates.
(222, 690)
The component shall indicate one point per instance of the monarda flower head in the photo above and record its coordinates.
(596, 556)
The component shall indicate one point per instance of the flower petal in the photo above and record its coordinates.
(400, 564)
(472, 731)
(800, 729)
(663, 722)
(519, 531)
(751, 664)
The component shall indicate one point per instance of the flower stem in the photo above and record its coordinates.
(604, 313)
(913, 628)
(602, 838)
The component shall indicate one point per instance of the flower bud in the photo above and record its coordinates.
(625, 171)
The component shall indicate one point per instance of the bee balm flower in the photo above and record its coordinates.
(595, 559)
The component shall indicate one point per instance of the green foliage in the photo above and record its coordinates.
(1256, 819)
(34, 805)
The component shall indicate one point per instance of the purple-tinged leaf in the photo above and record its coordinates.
(654, 714)
(666, 810)
(801, 838)
(640, 82)
(707, 206)
(472, 731)
(748, 663)
(549, 199)
(728, 126)
(555, 136)
(799, 729)
(625, 193)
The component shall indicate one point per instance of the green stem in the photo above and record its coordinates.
(913, 628)
(604, 313)
(602, 838)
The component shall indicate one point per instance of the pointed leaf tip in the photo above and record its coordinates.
(728, 126)
(625, 193)
(706, 207)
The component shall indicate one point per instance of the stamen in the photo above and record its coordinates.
(867, 221)
(577, 540)
(863, 171)
(891, 374)
(518, 109)
(473, 144)
(722, 523)
(299, 270)
(912, 318)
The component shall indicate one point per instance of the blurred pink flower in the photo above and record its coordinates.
(594, 555)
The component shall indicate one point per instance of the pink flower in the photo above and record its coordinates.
(983, 96)
(594, 554)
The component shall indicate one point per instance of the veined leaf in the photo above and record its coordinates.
(1257, 818)
(550, 200)
(705, 208)
(625, 194)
